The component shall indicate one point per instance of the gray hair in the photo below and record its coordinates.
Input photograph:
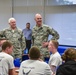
(11, 19)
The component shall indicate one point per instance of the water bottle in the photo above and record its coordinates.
(26, 51)
(17, 62)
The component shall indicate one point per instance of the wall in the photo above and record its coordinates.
(25, 10)
(5, 12)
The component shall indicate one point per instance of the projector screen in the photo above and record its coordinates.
(65, 25)
(63, 20)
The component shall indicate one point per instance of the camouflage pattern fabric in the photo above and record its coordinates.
(2, 38)
(17, 39)
(40, 35)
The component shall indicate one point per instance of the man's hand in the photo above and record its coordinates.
(44, 44)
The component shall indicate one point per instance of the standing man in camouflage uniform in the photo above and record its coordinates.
(15, 36)
(40, 35)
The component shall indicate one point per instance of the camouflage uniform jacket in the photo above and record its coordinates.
(41, 34)
(16, 38)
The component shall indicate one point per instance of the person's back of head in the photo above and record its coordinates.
(69, 54)
(69, 65)
(34, 53)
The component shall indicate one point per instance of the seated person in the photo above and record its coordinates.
(34, 66)
(55, 58)
(69, 65)
(6, 60)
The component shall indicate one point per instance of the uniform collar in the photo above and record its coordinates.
(37, 28)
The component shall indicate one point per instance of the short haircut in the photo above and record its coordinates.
(55, 43)
(11, 19)
(37, 15)
(6, 44)
(27, 23)
(69, 54)
(34, 53)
